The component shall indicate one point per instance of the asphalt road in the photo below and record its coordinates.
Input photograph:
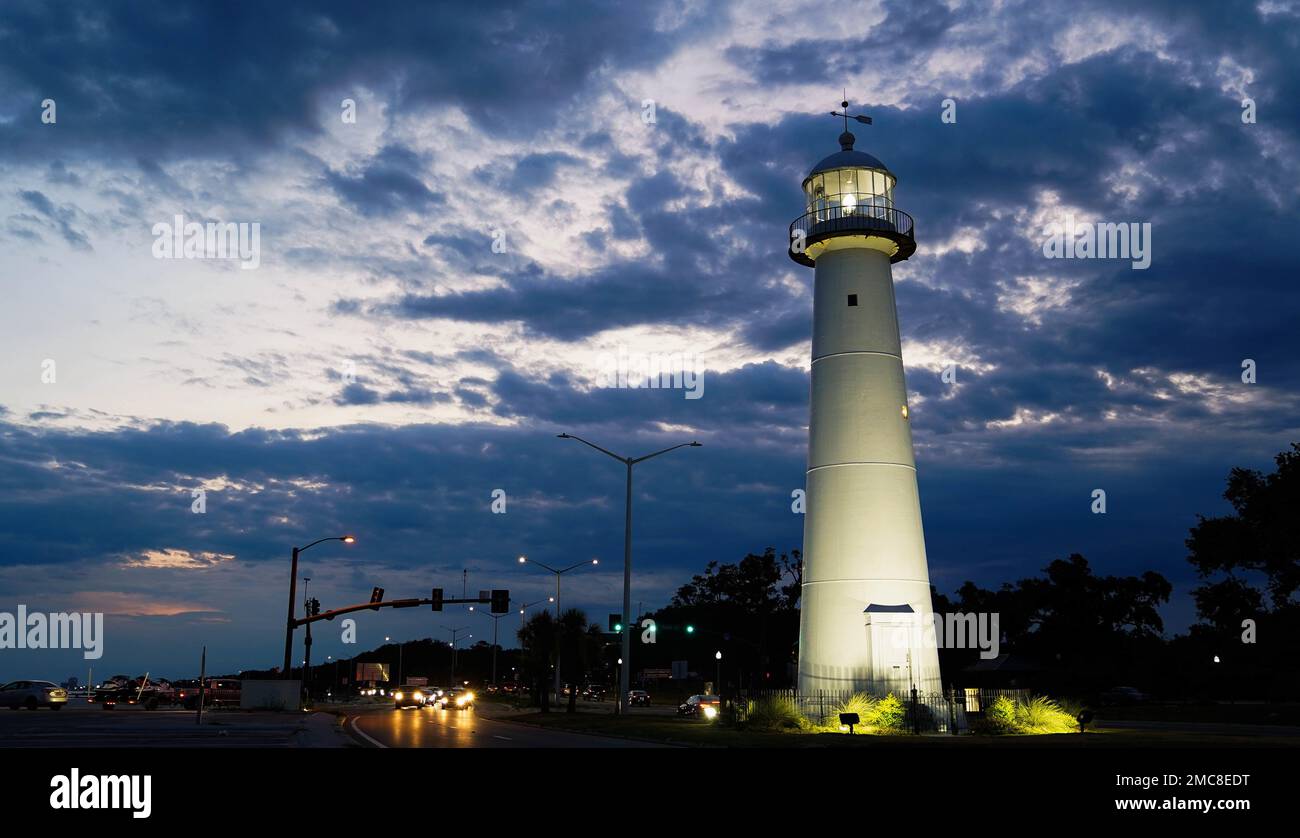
(429, 728)
(93, 727)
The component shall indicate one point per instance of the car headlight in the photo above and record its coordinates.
(397, 696)
(710, 712)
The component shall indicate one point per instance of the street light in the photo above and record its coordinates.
(623, 680)
(558, 574)
(718, 657)
(496, 620)
(400, 648)
(454, 633)
(293, 593)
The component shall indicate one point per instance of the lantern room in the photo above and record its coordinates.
(849, 197)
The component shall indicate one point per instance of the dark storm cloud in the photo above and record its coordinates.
(191, 79)
(386, 184)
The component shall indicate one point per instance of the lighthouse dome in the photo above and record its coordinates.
(848, 159)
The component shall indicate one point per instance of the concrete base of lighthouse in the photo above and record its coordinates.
(866, 619)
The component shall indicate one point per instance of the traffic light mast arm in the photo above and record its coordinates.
(392, 603)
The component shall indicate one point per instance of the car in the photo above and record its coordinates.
(593, 692)
(220, 692)
(33, 694)
(1124, 695)
(705, 706)
(410, 695)
(459, 698)
(638, 698)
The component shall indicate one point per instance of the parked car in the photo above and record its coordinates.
(33, 694)
(1124, 695)
(706, 706)
(638, 698)
(593, 692)
(410, 695)
(220, 692)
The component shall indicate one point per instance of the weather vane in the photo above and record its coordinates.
(865, 120)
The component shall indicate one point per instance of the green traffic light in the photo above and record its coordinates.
(690, 629)
(618, 627)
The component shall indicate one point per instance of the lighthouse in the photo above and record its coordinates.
(866, 620)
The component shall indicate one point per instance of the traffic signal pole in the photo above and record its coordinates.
(288, 631)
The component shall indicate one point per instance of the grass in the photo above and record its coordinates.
(1038, 715)
(695, 733)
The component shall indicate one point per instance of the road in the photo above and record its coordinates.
(430, 728)
(79, 726)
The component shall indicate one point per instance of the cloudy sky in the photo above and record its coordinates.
(528, 189)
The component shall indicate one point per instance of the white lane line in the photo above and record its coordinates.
(364, 735)
(499, 736)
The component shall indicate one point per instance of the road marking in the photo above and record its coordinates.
(366, 736)
(498, 736)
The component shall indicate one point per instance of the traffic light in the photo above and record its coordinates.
(436, 596)
(500, 601)
(690, 629)
(616, 623)
(313, 607)
(376, 595)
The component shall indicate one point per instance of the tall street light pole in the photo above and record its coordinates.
(626, 666)
(293, 593)
(454, 633)
(558, 574)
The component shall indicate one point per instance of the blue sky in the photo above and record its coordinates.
(384, 369)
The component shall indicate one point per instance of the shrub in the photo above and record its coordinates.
(1000, 717)
(1042, 715)
(1037, 715)
(776, 713)
(886, 714)
(860, 703)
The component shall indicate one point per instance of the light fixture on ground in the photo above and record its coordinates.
(628, 462)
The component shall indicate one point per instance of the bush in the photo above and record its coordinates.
(887, 714)
(1042, 715)
(1000, 717)
(775, 713)
(1037, 715)
(860, 703)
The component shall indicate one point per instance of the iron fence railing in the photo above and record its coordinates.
(863, 219)
(923, 712)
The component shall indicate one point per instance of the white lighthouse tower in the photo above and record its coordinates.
(866, 616)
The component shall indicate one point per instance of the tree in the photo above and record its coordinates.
(1260, 539)
(540, 640)
(1090, 628)
(576, 652)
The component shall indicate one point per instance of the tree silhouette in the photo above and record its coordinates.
(1260, 540)
(540, 640)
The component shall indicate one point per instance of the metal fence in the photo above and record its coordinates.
(922, 712)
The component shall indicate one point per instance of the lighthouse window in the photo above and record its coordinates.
(853, 299)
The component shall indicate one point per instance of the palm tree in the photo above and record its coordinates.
(575, 652)
(540, 640)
